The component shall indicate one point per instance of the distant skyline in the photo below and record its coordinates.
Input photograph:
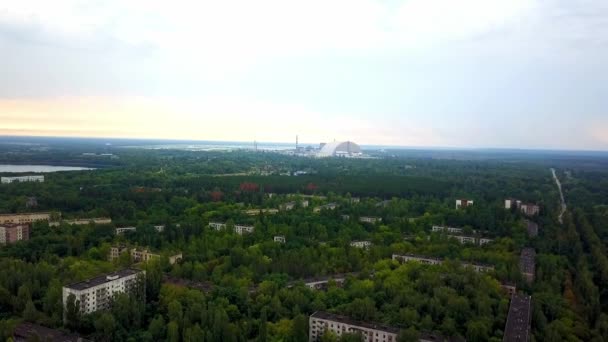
(417, 73)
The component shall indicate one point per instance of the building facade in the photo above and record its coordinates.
(321, 322)
(8, 180)
(242, 229)
(279, 239)
(11, 233)
(97, 293)
(24, 218)
(446, 229)
(122, 230)
(361, 244)
(437, 261)
(463, 203)
(368, 219)
(217, 225)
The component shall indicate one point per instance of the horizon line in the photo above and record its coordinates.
(444, 148)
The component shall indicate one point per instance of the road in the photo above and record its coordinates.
(561, 195)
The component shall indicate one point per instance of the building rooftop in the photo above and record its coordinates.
(350, 321)
(26, 331)
(102, 279)
(527, 260)
(518, 321)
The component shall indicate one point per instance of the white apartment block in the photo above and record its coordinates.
(97, 293)
(368, 219)
(241, 229)
(420, 259)
(84, 221)
(320, 322)
(217, 225)
(361, 244)
(24, 218)
(447, 229)
(471, 239)
(437, 261)
(8, 180)
(160, 228)
(462, 203)
(279, 239)
(122, 230)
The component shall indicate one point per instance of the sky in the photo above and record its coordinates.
(422, 73)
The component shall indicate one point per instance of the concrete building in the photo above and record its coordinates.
(254, 212)
(31, 202)
(122, 230)
(528, 209)
(279, 239)
(509, 288)
(116, 251)
(418, 258)
(11, 233)
(20, 179)
(97, 293)
(463, 203)
(217, 225)
(288, 205)
(26, 332)
(531, 228)
(84, 221)
(24, 217)
(242, 229)
(140, 255)
(447, 229)
(320, 322)
(361, 244)
(340, 149)
(527, 264)
(517, 328)
(369, 219)
(480, 241)
(159, 228)
(328, 206)
(477, 267)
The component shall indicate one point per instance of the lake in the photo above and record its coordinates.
(39, 168)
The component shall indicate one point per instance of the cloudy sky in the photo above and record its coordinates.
(449, 73)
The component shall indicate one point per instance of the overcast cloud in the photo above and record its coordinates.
(468, 73)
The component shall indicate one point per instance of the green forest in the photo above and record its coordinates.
(247, 287)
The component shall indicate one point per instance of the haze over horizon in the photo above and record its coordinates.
(426, 73)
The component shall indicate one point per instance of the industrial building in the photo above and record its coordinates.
(97, 293)
(340, 149)
(20, 179)
(320, 322)
(11, 233)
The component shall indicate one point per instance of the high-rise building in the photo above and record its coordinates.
(517, 328)
(96, 294)
(8, 180)
(527, 264)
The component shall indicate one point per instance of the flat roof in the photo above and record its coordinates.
(518, 321)
(24, 331)
(527, 260)
(24, 214)
(350, 321)
(102, 279)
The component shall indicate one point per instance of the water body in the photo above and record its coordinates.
(39, 168)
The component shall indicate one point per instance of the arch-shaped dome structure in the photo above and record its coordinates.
(340, 148)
